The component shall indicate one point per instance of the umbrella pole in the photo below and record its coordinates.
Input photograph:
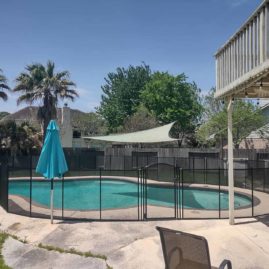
(51, 201)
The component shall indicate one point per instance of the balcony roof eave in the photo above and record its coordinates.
(242, 27)
(245, 82)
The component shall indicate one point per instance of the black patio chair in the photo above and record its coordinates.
(186, 251)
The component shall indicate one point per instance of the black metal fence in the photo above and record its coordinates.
(162, 188)
(4, 186)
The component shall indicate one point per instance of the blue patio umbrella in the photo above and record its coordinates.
(52, 161)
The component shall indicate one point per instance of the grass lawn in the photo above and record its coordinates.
(3, 237)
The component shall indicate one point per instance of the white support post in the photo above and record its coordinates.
(266, 34)
(254, 31)
(217, 73)
(261, 36)
(247, 49)
(230, 161)
(237, 57)
(250, 45)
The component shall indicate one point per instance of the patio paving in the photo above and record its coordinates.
(24, 256)
(136, 244)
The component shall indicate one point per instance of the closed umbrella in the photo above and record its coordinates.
(52, 161)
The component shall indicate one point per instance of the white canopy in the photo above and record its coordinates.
(154, 135)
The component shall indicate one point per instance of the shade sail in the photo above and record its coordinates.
(154, 135)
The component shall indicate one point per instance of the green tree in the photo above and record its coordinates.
(142, 119)
(91, 124)
(211, 105)
(3, 114)
(121, 94)
(171, 98)
(3, 86)
(42, 83)
(246, 118)
(19, 138)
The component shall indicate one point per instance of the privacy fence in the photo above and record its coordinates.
(92, 160)
(144, 188)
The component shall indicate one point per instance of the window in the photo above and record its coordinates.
(76, 134)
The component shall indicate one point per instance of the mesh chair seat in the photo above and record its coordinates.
(186, 251)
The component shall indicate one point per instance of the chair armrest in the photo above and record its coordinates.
(224, 263)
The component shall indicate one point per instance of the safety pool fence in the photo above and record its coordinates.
(157, 191)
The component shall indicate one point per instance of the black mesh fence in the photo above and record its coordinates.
(160, 190)
(127, 188)
(4, 186)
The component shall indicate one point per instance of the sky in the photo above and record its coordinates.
(91, 38)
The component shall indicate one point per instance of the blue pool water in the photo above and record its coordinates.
(85, 195)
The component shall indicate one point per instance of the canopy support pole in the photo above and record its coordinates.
(230, 161)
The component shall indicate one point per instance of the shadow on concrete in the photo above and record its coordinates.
(263, 219)
(246, 222)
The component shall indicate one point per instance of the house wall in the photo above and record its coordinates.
(265, 112)
(79, 143)
(66, 128)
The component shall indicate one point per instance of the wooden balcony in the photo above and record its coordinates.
(242, 63)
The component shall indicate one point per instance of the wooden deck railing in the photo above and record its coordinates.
(245, 51)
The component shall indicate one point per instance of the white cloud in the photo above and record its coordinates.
(237, 3)
(83, 92)
(87, 101)
(234, 3)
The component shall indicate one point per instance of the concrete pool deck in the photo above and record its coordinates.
(131, 244)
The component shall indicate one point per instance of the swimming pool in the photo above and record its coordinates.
(116, 194)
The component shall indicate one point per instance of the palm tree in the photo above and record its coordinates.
(19, 138)
(3, 86)
(41, 83)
